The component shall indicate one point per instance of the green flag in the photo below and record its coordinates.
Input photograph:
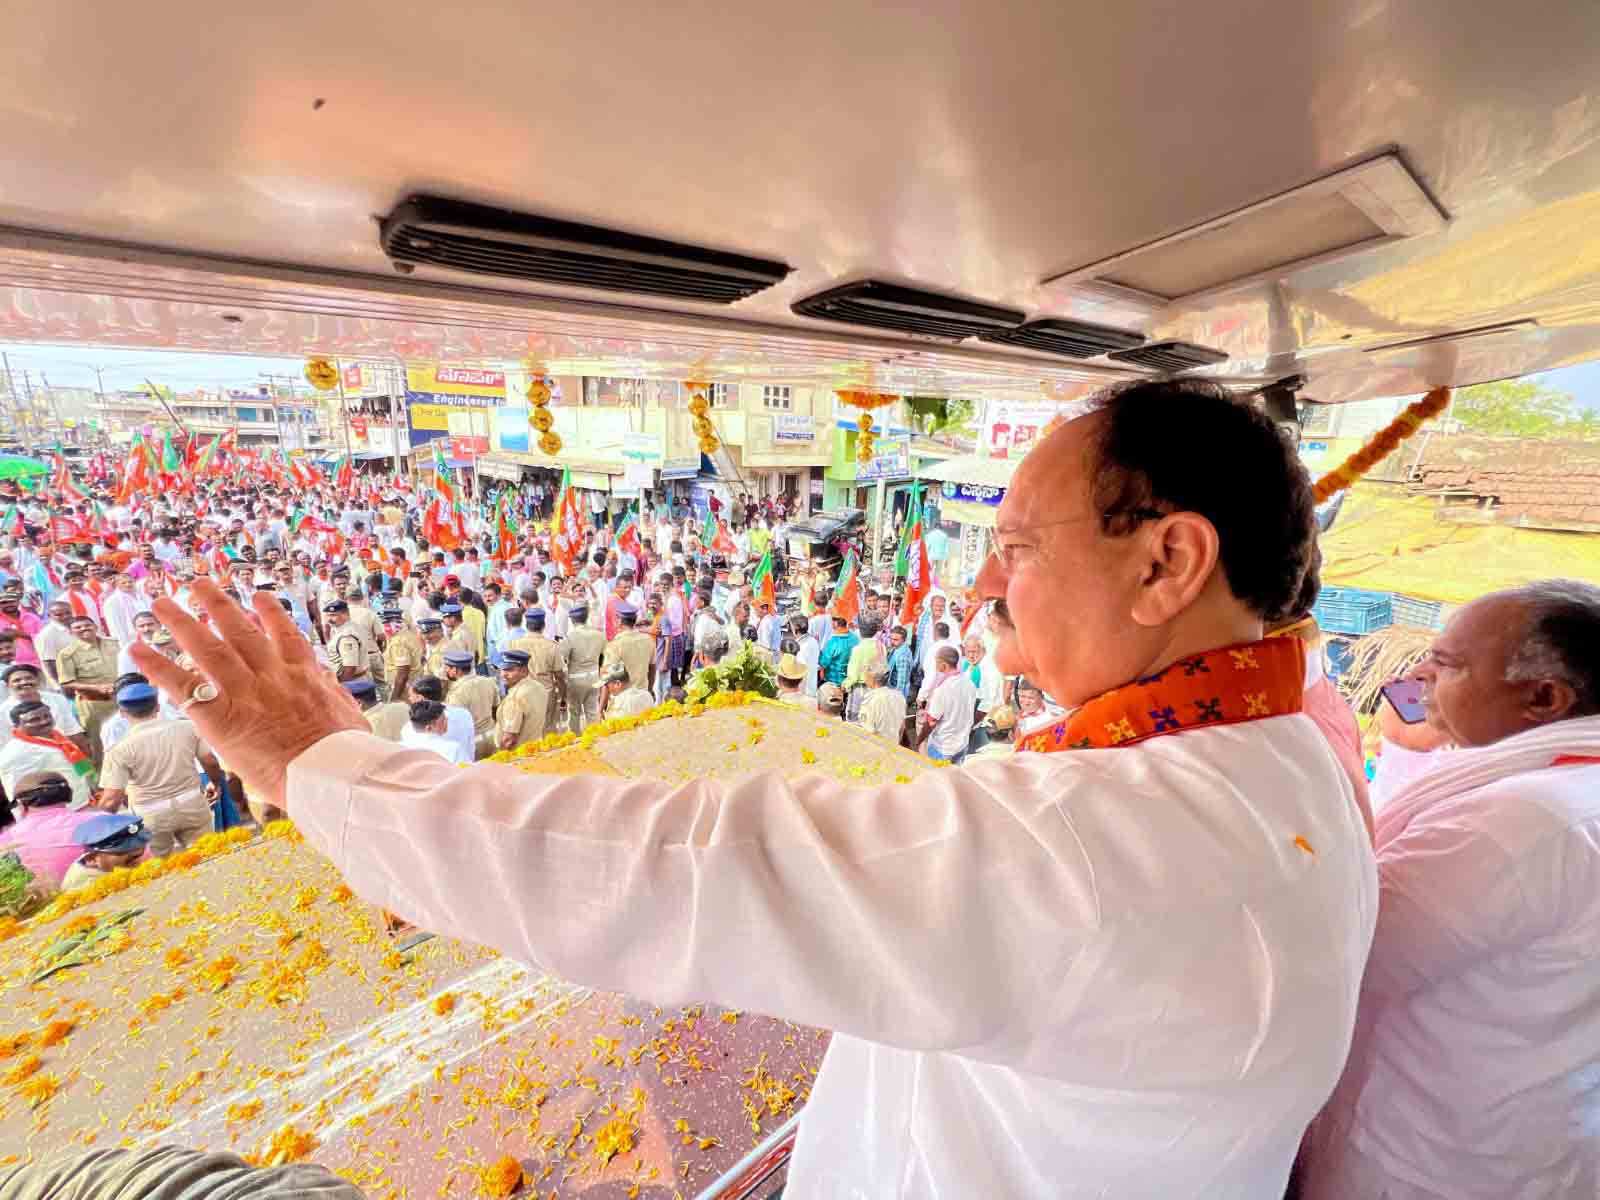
(171, 460)
(902, 555)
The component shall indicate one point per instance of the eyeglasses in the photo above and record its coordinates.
(1005, 554)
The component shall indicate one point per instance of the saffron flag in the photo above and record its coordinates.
(566, 534)
(344, 475)
(847, 594)
(506, 541)
(919, 581)
(722, 541)
(61, 482)
(135, 472)
(441, 476)
(202, 463)
(628, 540)
(765, 587)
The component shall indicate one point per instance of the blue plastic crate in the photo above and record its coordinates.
(1424, 614)
(1352, 610)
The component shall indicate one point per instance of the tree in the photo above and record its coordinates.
(1514, 408)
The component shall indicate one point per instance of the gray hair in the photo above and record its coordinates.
(715, 645)
(1562, 639)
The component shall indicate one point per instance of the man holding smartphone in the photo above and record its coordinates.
(1472, 1072)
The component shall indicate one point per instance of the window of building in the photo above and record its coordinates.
(723, 395)
(776, 397)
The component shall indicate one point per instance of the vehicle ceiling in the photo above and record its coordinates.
(171, 163)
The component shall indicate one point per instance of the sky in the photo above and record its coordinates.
(73, 366)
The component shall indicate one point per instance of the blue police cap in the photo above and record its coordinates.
(360, 687)
(512, 658)
(458, 658)
(135, 693)
(112, 832)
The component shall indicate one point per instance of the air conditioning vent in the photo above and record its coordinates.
(906, 310)
(1069, 339)
(1170, 356)
(476, 238)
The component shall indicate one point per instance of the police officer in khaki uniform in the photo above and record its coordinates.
(475, 693)
(386, 720)
(632, 647)
(87, 672)
(545, 664)
(581, 654)
(346, 653)
(403, 653)
(459, 633)
(434, 645)
(365, 622)
(522, 711)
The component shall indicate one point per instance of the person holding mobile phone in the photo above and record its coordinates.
(1408, 744)
(1472, 1070)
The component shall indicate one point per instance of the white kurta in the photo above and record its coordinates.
(1109, 973)
(1475, 1069)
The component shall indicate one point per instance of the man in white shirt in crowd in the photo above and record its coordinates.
(145, 627)
(987, 680)
(459, 726)
(25, 685)
(883, 710)
(428, 729)
(946, 721)
(55, 637)
(1123, 963)
(1473, 1071)
(121, 607)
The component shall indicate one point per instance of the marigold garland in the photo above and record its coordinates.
(699, 409)
(1384, 443)
(866, 400)
(123, 878)
(615, 725)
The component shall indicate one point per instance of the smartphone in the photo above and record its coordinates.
(1405, 696)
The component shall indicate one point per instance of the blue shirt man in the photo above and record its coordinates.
(835, 661)
(901, 663)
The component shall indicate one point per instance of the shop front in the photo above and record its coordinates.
(964, 496)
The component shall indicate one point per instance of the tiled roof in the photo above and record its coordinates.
(1528, 479)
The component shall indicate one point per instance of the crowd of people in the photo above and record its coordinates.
(469, 645)
(1146, 968)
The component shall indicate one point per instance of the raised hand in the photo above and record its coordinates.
(273, 700)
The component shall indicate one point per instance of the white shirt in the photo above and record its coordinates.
(1086, 975)
(469, 575)
(21, 759)
(1397, 766)
(441, 744)
(883, 712)
(51, 641)
(630, 702)
(1473, 1074)
(62, 710)
(810, 656)
(991, 684)
(950, 703)
(120, 610)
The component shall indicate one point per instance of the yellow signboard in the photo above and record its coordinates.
(453, 400)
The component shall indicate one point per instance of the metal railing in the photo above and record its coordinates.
(748, 1179)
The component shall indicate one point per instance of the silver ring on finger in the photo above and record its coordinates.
(204, 692)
